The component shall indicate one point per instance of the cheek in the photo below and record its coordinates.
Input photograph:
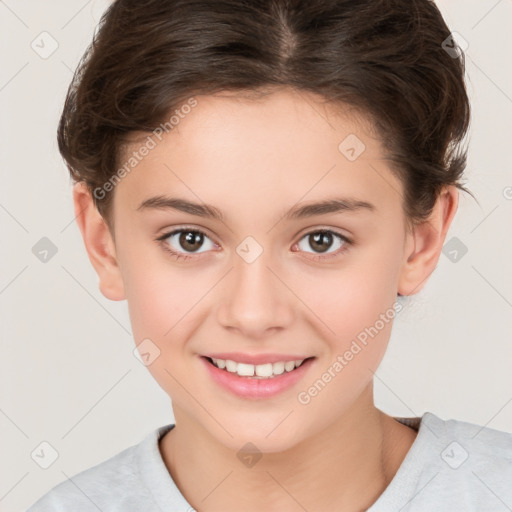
(351, 298)
(167, 304)
(161, 304)
(161, 300)
(355, 307)
(159, 293)
(359, 309)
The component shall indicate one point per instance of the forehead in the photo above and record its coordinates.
(254, 153)
(282, 118)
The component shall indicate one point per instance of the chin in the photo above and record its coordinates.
(267, 437)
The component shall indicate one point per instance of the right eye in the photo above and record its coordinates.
(184, 242)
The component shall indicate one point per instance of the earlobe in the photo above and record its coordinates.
(425, 243)
(98, 243)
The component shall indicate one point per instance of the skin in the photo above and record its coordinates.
(254, 160)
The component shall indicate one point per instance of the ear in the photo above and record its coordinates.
(98, 243)
(424, 244)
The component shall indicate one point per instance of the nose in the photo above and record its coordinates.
(255, 301)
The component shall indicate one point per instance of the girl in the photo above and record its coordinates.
(262, 181)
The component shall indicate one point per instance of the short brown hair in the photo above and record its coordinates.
(385, 58)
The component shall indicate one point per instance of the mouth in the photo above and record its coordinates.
(257, 371)
(256, 381)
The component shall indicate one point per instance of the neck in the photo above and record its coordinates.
(345, 466)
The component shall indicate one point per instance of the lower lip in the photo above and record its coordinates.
(247, 387)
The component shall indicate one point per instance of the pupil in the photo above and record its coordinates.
(191, 238)
(321, 241)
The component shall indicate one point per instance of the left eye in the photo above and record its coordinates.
(321, 241)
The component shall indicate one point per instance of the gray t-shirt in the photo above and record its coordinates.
(451, 466)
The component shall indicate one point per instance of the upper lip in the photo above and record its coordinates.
(255, 359)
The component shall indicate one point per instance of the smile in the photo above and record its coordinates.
(256, 381)
(261, 371)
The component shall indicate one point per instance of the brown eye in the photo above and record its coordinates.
(187, 241)
(323, 241)
(190, 240)
(320, 242)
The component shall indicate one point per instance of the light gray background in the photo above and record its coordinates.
(68, 374)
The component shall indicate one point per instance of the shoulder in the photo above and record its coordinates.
(482, 447)
(452, 465)
(112, 485)
(474, 461)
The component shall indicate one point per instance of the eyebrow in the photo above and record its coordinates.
(335, 205)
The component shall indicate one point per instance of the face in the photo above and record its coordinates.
(258, 283)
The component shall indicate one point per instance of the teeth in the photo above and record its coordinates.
(278, 368)
(289, 366)
(264, 371)
(231, 366)
(245, 370)
(220, 363)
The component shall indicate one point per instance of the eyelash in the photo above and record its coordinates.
(177, 255)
